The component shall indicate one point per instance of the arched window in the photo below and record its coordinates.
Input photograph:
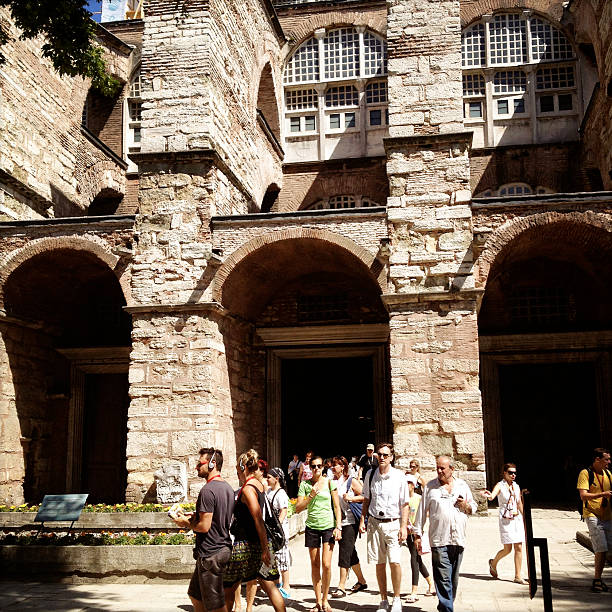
(343, 201)
(518, 72)
(336, 95)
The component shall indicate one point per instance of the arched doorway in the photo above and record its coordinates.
(67, 339)
(321, 333)
(545, 329)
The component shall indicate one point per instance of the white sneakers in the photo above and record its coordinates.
(396, 606)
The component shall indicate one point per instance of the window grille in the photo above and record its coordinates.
(542, 305)
(510, 81)
(344, 95)
(135, 110)
(508, 44)
(555, 77)
(376, 93)
(304, 65)
(473, 85)
(322, 308)
(301, 99)
(136, 87)
(341, 49)
(375, 55)
(548, 43)
(366, 202)
(473, 46)
(514, 189)
(342, 201)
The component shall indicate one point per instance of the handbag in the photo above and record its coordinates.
(355, 507)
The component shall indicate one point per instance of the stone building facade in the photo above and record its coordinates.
(308, 224)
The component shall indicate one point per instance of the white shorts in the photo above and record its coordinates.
(601, 534)
(383, 543)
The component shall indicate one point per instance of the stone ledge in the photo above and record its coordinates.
(427, 140)
(393, 300)
(583, 538)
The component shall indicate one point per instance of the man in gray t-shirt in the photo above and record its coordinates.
(211, 523)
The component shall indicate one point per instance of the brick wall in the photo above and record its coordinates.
(41, 141)
(472, 10)
(551, 166)
(304, 184)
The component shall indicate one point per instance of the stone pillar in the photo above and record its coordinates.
(436, 405)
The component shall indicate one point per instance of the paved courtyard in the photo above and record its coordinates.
(571, 568)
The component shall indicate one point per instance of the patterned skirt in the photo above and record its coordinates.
(283, 559)
(245, 564)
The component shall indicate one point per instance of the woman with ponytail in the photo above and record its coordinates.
(279, 500)
(252, 557)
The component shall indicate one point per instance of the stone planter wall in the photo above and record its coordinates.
(135, 564)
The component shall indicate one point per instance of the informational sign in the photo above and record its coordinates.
(114, 10)
(61, 507)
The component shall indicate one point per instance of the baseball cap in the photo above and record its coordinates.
(370, 447)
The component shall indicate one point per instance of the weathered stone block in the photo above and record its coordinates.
(171, 482)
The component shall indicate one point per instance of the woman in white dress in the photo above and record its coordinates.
(511, 530)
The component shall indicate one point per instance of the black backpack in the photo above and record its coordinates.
(274, 528)
(582, 505)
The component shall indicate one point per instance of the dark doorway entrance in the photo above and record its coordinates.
(104, 474)
(549, 424)
(327, 406)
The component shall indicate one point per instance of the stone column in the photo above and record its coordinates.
(436, 405)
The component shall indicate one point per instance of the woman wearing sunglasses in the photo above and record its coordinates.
(323, 528)
(414, 467)
(511, 530)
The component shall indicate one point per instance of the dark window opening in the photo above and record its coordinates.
(542, 306)
(270, 198)
(104, 205)
(322, 308)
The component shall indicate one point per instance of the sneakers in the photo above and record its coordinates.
(396, 606)
(383, 607)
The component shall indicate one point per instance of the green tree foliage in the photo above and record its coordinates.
(69, 34)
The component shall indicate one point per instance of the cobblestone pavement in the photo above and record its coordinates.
(571, 568)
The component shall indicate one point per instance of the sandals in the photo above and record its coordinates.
(430, 594)
(599, 586)
(410, 599)
(326, 608)
(338, 593)
(520, 581)
(492, 570)
(359, 586)
(315, 608)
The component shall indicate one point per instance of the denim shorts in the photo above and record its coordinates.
(313, 538)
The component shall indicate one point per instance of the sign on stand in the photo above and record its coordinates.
(61, 508)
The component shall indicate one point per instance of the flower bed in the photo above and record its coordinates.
(105, 538)
(106, 508)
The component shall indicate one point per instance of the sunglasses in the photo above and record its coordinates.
(316, 466)
(384, 455)
(512, 473)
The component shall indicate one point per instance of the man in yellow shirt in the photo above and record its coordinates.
(595, 488)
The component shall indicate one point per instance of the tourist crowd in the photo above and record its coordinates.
(343, 499)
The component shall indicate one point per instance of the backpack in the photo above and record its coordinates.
(274, 528)
(582, 505)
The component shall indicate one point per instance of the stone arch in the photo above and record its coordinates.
(102, 175)
(579, 224)
(91, 244)
(552, 9)
(362, 254)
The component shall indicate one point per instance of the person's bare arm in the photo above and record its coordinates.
(336, 502)
(249, 496)
(282, 515)
(586, 496)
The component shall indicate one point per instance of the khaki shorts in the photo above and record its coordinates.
(601, 534)
(383, 543)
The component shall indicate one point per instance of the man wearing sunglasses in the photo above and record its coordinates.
(386, 504)
(446, 501)
(594, 487)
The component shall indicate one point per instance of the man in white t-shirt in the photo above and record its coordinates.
(447, 501)
(385, 504)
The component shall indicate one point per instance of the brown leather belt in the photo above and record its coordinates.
(383, 520)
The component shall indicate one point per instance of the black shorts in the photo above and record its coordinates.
(347, 556)
(314, 537)
(206, 583)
